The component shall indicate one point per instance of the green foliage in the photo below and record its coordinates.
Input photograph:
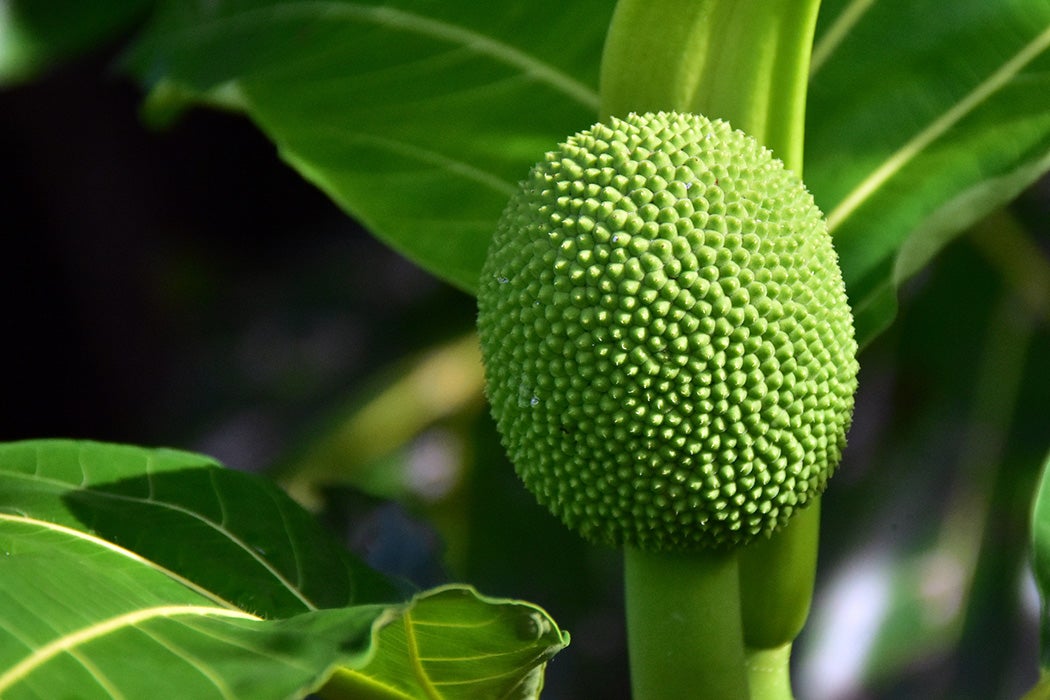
(134, 572)
(419, 118)
(35, 35)
(215, 527)
(501, 656)
(85, 618)
(909, 144)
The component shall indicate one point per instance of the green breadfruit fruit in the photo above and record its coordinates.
(669, 351)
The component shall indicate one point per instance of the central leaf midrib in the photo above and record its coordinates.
(73, 640)
(923, 138)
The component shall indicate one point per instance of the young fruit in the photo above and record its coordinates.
(668, 347)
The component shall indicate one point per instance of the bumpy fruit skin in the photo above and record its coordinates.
(668, 347)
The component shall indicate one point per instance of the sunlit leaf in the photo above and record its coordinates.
(418, 117)
(230, 532)
(130, 572)
(81, 617)
(922, 118)
(503, 657)
(35, 35)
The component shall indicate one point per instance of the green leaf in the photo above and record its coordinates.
(130, 572)
(35, 35)
(503, 657)
(418, 117)
(923, 117)
(1041, 559)
(231, 533)
(81, 617)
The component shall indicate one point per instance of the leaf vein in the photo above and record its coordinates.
(218, 527)
(834, 35)
(99, 677)
(422, 25)
(69, 642)
(413, 651)
(198, 664)
(117, 549)
(935, 129)
(434, 158)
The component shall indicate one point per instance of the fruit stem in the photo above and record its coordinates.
(747, 62)
(757, 70)
(684, 626)
(651, 62)
(769, 673)
(776, 581)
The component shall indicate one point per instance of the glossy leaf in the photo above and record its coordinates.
(231, 533)
(36, 35)
(923, 117)
(418, 117)
(130, 572)
(81, 617)
(503, 657)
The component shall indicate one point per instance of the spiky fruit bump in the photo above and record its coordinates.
(668, 347)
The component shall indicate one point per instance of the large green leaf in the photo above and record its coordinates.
(419, 117)
(35, 35)
(231, 533)
(130, 572)
(81, 617)
(922, 118)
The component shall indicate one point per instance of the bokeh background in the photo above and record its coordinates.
(186, 288)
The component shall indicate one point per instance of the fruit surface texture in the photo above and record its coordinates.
(669, 350)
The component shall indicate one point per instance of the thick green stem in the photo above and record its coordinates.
(654, 54)
(683, 626)
(742, 60)
(776, 581)
(757, 69)
(769, 673)
(746, 61)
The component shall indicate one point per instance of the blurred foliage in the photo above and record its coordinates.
(928, 519)
(35, 36)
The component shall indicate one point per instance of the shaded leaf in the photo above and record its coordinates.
(417, 117)
(922, 118)
(502, 657)
(231, 533)
(81, 617)
(35, 35)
